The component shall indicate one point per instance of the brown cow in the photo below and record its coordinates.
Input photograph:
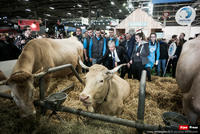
(188, 78)
(104, 91)
(39, 55)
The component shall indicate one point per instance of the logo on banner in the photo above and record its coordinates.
(172, 49)
(185, 15)
(84, 21)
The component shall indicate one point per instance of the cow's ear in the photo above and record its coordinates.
(108, 75)
(20, 77)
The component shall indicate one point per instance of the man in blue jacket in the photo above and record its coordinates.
(97, 47)
(112, 37)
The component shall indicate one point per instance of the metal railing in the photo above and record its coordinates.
(140, 125)
(50, 70)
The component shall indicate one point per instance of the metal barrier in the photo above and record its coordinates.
(50, 70)
(106, 118)
(141, 101)
(140, 125)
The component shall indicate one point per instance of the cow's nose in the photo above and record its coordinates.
(83, 97)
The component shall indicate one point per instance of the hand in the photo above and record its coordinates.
(115, 64)
(90, 59)
(22, 41)
(156, 62)
(137, 54)
(172, 57)
(131, 62)
(128, 65)
(86, 58)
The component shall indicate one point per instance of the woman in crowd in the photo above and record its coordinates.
(139, 56)
(154, 54)
(163, 57)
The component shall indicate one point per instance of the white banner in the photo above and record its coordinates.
(84, 21)
(185, 15)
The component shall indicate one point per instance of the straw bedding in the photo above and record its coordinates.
(162, 95)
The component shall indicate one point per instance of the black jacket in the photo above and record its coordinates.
(107, 59)
(163, 50)
(143, 53)
(8, 51)
(130, 46)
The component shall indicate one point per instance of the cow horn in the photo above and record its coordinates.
(3, 82)
(82, 64)
(116, 68)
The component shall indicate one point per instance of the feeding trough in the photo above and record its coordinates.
(56, 98)
(174, 119)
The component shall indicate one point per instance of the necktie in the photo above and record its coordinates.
(127, 46)
(113, 59)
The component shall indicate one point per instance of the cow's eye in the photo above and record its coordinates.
(101, 81)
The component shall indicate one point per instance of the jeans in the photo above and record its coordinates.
(161, 65)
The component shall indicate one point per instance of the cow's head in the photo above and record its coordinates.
(22, 87)
(96, 85)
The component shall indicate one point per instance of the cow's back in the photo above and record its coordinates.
(123, 87)
(188, 65)
(119, 91)
(53, 52)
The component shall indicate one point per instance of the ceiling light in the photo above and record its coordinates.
(101, 16)
(28, 10)
(120, 10)
(92, 12)
(52, 8)
(112, 3)
(124, 4)
(26, 0)
(79, 5)
(69, 13)
(47, 14)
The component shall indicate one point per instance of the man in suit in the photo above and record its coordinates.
(128, 45)
(114, 56)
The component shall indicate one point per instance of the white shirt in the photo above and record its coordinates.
(116, 56)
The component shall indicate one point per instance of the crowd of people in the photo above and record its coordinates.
(138, 52)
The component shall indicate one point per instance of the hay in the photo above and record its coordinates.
(162, 95)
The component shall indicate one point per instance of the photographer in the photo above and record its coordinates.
(21, 40)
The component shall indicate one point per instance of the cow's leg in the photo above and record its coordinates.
(191, 101)
(188, 109)
(120, 108)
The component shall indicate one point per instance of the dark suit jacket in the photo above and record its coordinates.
(107, 59)
(131, 44)
(143, 55)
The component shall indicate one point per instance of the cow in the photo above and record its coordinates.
(5, 72)
(39, 55)
(104, 91)
(188, 78)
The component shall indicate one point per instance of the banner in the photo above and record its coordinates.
(168, 1)
(185, 15)
(84, 21)
(172, 49)
(34, 24)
